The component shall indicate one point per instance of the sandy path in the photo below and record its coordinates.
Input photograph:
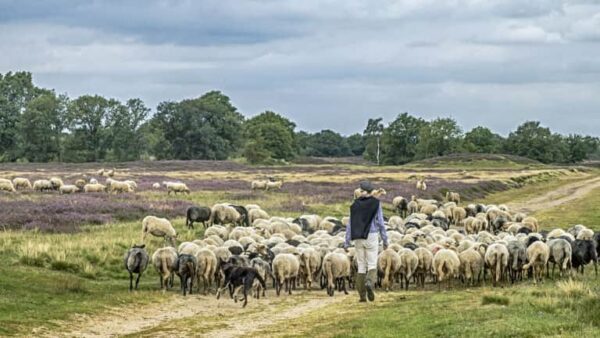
(215, 318)
(562, 195)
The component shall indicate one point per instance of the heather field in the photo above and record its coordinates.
(62, 272)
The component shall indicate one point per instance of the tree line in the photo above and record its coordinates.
(38, 125)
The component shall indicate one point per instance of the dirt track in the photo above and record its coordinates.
(224, 318)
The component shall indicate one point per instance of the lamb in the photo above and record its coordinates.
(285, 270)
(425, 264)
(7, 185)
(453, 197)
(400, 205)
(336, 267)
(409, 261)
(311, 264)
(68, 189)
(388, 264)
(496, 258)
(164, 260)
(254, 214)
(56, 183)
(155, 185)
(136, 260)
(274, 185)
(176, 187)
(560, 253)
(445, 264)
(42, 185)
(206, 268)
(185, 267)
(21, 183)
(159, 227)
(94, 187)
(197, 214)
(517, 257)
(537, 255)
(258, 185)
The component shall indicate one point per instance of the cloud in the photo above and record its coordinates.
(326, 64)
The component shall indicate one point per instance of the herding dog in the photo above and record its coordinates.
(239, 277)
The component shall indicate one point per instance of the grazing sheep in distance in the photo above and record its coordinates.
(197, 214)
(56, 183)
(100, 172)
(115, 186)
(21, 183)
(159, 227)
(6, 185)
(453, 197)
(156, 185)
(136, 260)
(94, 187)
(131, 184)
(176, 187)
(42, 185)
(421, 185)
(258, 185)
(185, 268)
(68, 189)
(285, 270)
(274, 185)
(93, 181)
(80, 183)
(336, 267)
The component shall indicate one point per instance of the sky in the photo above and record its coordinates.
(328, 64)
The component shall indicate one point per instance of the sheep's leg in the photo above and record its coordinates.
(344, 286)
(137, 281)
(130, 281)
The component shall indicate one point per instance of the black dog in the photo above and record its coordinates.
(239, 277)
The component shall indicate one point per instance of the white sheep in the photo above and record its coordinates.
(538, 254)
(119, 186)
(425, 265)
(388, 264)
(285, 270)
(254, 214)
(155, 185)
(206, 268)
(409, 262)
(258, 184)
(310, 260)
(496, 258)
(68, 189)
(56, 183)
(22, 183)
(93, 181)
(6, 185)
(274, 185)
(471, 265)
(336, 267)
(164, 260)
(42, 185)
(421, 185)
(159, 227)
(176, 187)
(446, 264)
(94, 187)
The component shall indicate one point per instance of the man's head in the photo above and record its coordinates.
(366, 186)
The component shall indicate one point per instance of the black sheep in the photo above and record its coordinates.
(197, 214)
(244, 219)
(136, 260)
(237, 277)
(584, 252)
(185, 267)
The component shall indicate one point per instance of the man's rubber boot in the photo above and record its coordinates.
(370, 284)
(360, 286)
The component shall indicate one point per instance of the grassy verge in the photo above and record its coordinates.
(565, 308)
(582, 211)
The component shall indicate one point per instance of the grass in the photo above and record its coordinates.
(582, 211)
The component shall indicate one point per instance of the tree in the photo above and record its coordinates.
(16, 91)
(208, 127)
(274, 132)
(400, 139)
(328, 143)
(580, 147)
(255, 151)
(87, 120)
(40, 128)
(437, 138)
(482, 140)
(372, 134)
(356, 144)
(124, 123)
(532, 141)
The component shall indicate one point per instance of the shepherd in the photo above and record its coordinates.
(365, 227)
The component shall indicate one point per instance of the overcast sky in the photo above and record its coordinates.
(324, 64)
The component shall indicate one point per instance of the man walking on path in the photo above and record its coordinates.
(366, 224)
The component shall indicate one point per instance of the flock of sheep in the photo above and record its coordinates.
(86, 185)
(429, 242)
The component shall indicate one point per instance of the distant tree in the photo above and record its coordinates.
(274, 132)
(580, 147)
(439, 137)
(400, 139)
(356, 144)
(16, 91)
(533, 141)
(40, 128)
(372, 134)
(208, 127)
(482, 140)
(124, 122)
(255, 151)
(328, 143)
(87, 121)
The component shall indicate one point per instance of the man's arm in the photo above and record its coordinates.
(381, 226)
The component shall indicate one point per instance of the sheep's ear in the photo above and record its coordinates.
(142, 246)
